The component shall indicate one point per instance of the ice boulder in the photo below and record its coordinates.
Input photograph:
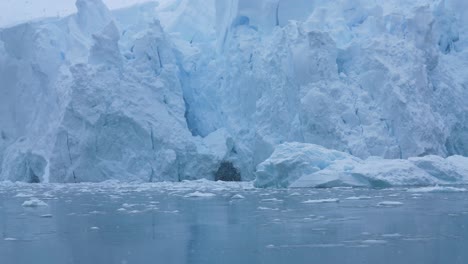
(292, 161)
(382, 173)
(307, 165)
(452, 169)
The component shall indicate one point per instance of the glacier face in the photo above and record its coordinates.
(171, 91)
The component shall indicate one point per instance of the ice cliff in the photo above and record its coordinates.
(184, 89)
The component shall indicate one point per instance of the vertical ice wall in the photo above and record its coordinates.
(83, 101)
(358, 76)
(120, 95)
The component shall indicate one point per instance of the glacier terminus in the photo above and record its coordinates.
(234, 131)
(170, 91)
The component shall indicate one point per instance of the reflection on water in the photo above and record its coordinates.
(158, 224)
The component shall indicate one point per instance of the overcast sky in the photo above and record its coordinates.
(14, 11)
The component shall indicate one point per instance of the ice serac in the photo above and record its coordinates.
(84, 104)
(300, 165)
(366, 78)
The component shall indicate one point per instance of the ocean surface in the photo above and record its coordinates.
(207, 222)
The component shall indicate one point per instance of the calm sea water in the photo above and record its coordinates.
(227, 223)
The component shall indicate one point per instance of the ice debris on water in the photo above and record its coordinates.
(198, 194)
(436, 189)
(34, 202)
(321, 201)
(237, 197)
(389, 203)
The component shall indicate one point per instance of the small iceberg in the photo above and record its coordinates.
(198, 194)
(34, 202)
(321, 201)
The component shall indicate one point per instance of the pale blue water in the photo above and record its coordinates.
(160, 225)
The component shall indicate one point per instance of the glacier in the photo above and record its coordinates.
(371, 94)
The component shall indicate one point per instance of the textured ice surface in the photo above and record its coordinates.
(308, 165)
(171, 91)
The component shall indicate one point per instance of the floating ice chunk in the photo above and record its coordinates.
(359, 198)
(271, 200)
(24, 195)
(389, 203)
(321, 201)
(34, 202)
(374, 241)
(46, 216)
(198, 194)
(267, 208)
(301, 165)
(94, 228)
(294, 161)
(437, 189)
(96, 212)
(10, 239)
(386, 173)
(237, 196)
(395, 235)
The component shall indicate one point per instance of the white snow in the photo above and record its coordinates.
(167, 92)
